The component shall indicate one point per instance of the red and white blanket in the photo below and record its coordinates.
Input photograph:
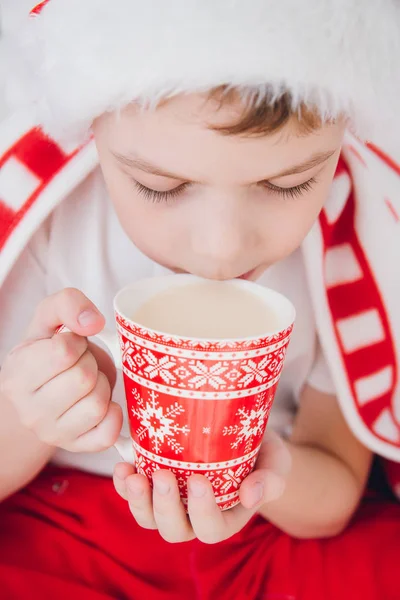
(352, 257)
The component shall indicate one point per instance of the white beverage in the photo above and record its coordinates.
(213, 310)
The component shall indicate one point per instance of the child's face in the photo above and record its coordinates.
(219, 207)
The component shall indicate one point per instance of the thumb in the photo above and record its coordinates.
(268, 480)
(68, 307)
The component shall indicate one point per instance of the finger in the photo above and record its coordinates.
(68, 307)
(60, 394)
(140, 501)
(169, 512)
(101, 437)
(205, 516)
(43, 360)
(121, 472)
(86, 414)
(267, 482)
(210, 524)
(40, 361)
(261, 487)
(274, 455)
(47, 405)
(236, 518)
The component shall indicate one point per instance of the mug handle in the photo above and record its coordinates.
(123, 445)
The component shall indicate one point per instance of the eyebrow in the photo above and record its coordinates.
(147, 167)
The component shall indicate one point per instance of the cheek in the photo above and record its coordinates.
(154, 229)
(137, 220)
(291, 222)
(134, 215)
(146, 225)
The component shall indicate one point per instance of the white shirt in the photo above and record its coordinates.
(83, 245)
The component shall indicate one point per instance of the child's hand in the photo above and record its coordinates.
(162, 508)
(54, 381)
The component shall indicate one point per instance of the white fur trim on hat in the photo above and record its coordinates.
(80, 58)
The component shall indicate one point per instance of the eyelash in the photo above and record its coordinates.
(159, 197)
(292, 192)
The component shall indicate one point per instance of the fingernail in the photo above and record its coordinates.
(161, 487)
(87, 317)
(197, 489)
(258, 492)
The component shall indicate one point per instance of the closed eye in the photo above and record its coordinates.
(164, 196)
(157, 196)
(291, 192)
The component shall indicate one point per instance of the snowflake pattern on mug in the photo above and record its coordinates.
(252, 423)
(236, 372)
(158, 422)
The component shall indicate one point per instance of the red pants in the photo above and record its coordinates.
(69, 536)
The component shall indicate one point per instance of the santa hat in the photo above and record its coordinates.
(75, 59)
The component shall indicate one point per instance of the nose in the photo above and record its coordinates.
(224, 246)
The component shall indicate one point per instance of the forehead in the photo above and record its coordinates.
(178, 136)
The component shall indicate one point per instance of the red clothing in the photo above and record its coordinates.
(68, 535)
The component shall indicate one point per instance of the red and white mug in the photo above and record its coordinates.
(196, 405)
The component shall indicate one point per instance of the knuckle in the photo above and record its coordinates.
(75, 445)
(69, 295)
(103, 385)
(60, 433)
(97, 408)
(65, 351)
(108, 440)
(86, 375)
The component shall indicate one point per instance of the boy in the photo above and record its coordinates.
(224, 180)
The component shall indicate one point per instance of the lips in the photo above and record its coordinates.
(249, 276)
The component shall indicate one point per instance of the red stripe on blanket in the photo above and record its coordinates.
(39, 154)
(357, 155)
(392, 210)
(6, 221)
(386, 159)
(38, 9)
(355, 300)
(43, 159)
